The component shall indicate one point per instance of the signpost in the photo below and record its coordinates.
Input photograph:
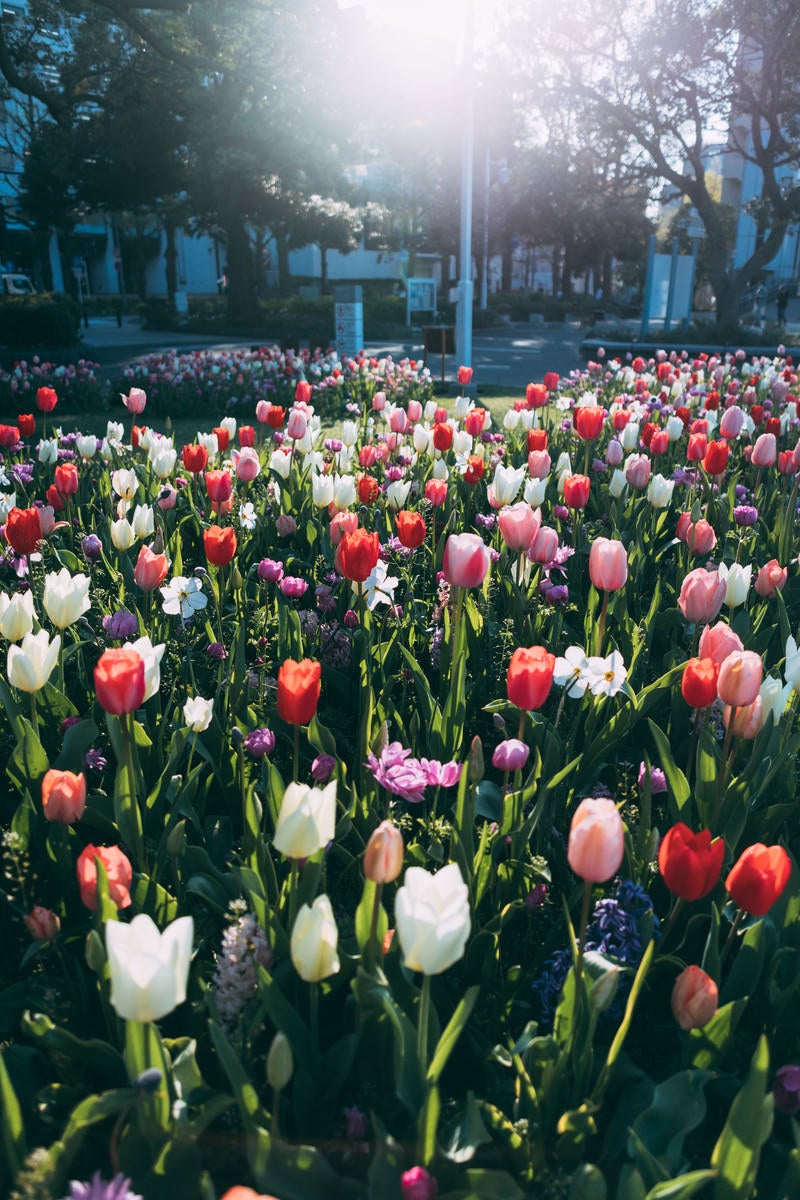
(420, 297)
(348, 312)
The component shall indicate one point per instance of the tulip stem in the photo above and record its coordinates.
(728, 751)
(726, 949)
(293, 884)
(372, 944)
(601, 625)
(587, 900)
(296, 755)
(422, 1026)
(34, 713)
(313, 1005)
(670, 925)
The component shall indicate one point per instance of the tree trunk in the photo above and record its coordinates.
(171, 259)
(608, 277)
(323, 269)
(284, 273)
(506, 269)
(241, 280)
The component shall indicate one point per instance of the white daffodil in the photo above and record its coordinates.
(607, 676)
(572, 672)
(247, 516)
(183, 596)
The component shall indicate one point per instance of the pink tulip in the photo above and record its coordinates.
(544, 546)
(342, 523)
(466, 560)
(732, 422)
(637, 471)
(683, 526)
(246, 463)
(519, 525)
(740, 676)
(700, 537)
(167, 498)
(296, 425)
(694, 998)
(539, 463)
(718, 641)
(702, 595)
(608, 564)
(135, 400)
(748, 719)
(379, 401)
(596, 840)
(262, 408)
(771, 579)
(398, 420)
(765, 451)
(414, 410)
(614, 453)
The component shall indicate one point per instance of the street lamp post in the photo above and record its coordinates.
(502, 177)
(464, 304)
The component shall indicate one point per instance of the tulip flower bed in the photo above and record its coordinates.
(409, 813)
(219, 382)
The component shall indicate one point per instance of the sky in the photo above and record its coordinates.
(433, 20)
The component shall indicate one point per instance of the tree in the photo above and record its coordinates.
(664, 75)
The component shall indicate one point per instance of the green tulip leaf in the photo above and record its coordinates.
(681, 1188)
(13, 1129)
(707, 1046)
(738, 1150)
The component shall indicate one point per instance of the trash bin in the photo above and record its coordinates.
(439, 339)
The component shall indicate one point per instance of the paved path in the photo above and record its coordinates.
(511, 356)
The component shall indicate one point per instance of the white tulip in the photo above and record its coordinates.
(164, 463)
(31, 664)
(149, 970)
(432, 916)
(125, 483)
(617, 484)
(397, 493)
(211, 443)
(17, 615)
(535, 491)
(122, 534)
(86, 445)
(349, 433)
(322, 490)
(151, 657)
(66, 597)
(115, 431)
(197, 713)
(344, 491)
(306, 821)
(505, 485)
(630, 436)
(441, 469)
(229, 425)
(737, 579)
(281, 463)
(314, 941)
(659, 491)
(47, 451)
(462, 443)
(675, 429)
(422, 439)
(774, 698)
(143, 521)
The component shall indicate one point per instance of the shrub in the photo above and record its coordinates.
(30, 321)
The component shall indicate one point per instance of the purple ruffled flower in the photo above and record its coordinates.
(117, 1188)
(293, 587)
(121, 624)
(322, 768)
(745, 514)
(259, 743)
(441, 774)
(658, 780)
(270, 571)
(400, 774)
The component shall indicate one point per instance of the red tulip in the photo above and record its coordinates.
(576, 491)
(117, 867)
(26, 423)
(299, 687)
(119, 681)
(690, 863)
(716, 458)
(442, 436)
(530, 677)
(220, 544)
(410, 529)
(66, 478)
(588, 422)
(357, 554)
(699, 682)
(194, 458)
(23, 530)
(758, 878)
(46, 399)
(536, 395)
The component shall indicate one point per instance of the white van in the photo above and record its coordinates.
(16, 285)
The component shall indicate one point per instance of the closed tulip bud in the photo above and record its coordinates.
(617, 484)
(702, 595)
(219, 544)
(306, 821)
(576, 491)
(119, 680)
(746, 721)
(694, 998)
(357, 554)
(417, 1183)
(383, 856)
(614, 453)
(23, 530)
(608, 564)
(150, 570)
(197, 713)
(758, 878)
(765, 451)
(596, 840)
(314, 941)
(519, 525)
(63, 796)
(280, 1062)
(740, 677)
(701, 538)
(177, 840)
(118, 869)
(17, 615)
(466, 560)
(530, 677)
(771, 578)
(699, 682)
(476, 763)
(42, 924)
(732, 422)
(718, 641)
(510, 755)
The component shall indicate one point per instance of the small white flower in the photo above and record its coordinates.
(183, 596)
(247, 516)
(791, 671)
(572, 672)
(607, 676)
(379, 586)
